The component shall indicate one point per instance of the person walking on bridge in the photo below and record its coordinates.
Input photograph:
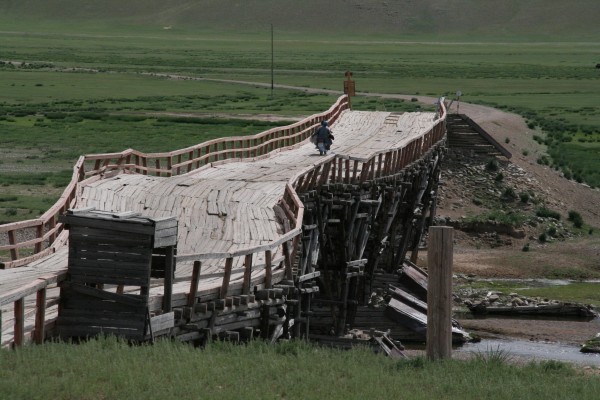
(323, 138)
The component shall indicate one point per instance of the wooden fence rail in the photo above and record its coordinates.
(46, 229)
(352, 170)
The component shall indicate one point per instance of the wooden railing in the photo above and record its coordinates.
(39, 288)
(43, 232)
(353, 170)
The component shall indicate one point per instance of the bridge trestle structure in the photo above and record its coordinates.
(347, 222)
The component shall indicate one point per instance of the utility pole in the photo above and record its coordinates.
(272, 62)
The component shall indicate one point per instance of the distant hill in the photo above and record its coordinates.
(537, 19)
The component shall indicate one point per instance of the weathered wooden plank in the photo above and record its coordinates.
(194, 283)
(162, 322)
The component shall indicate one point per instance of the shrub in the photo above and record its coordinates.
(8, 198)
(509, 193)
(543, 160)
(492, 165)
(493, 356)
(507, 140)
(543, 237)
(576, 219)
(551, 231)
(526, 247)
(524, 196)
(11, 212)
(543, 212)
(499, 177)
(525, 152)
(554, 365)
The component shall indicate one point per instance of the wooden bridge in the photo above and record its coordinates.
(270, 235)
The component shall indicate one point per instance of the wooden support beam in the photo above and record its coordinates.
(194, 283)
(247, 274)
(268, 269)
(168, 281)
(39, 332)
(287, 261)
(226, 278)
(19, 330)
(439, 293)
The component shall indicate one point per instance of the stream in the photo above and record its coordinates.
(533, 351)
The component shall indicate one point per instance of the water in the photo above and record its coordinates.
(533, 351)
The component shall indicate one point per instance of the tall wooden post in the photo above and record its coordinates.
(349, 88)
(439, 293)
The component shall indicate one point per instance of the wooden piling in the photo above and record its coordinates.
(439, 293)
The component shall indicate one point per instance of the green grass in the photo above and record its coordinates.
(50, 113)
(577, 292)
(108, 368)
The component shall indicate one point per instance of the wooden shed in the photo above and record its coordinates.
(112, 259)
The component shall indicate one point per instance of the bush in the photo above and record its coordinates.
(576, 219)
(499, 177)
(543, 237)
(543, 212)
(492, 165)
(8, 198)
(524, 196)
(543, 160)
(507, 140)
(552, 231)
(526, 247)
(525, 152)
(509, 193)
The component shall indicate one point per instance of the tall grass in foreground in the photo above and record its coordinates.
(111, 369)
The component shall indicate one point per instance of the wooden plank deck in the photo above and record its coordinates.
(227, 207)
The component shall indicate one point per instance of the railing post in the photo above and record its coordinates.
(268, 269)
(14, 252)
(194, 283)
(226, 278)
(39, 332)
(19, 330)
(287, 261)
(439, 293)
(247, 274)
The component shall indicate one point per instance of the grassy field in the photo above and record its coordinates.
(77, 88)
(108, 368)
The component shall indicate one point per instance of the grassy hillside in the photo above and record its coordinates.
(86, 70)
(474, 18)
